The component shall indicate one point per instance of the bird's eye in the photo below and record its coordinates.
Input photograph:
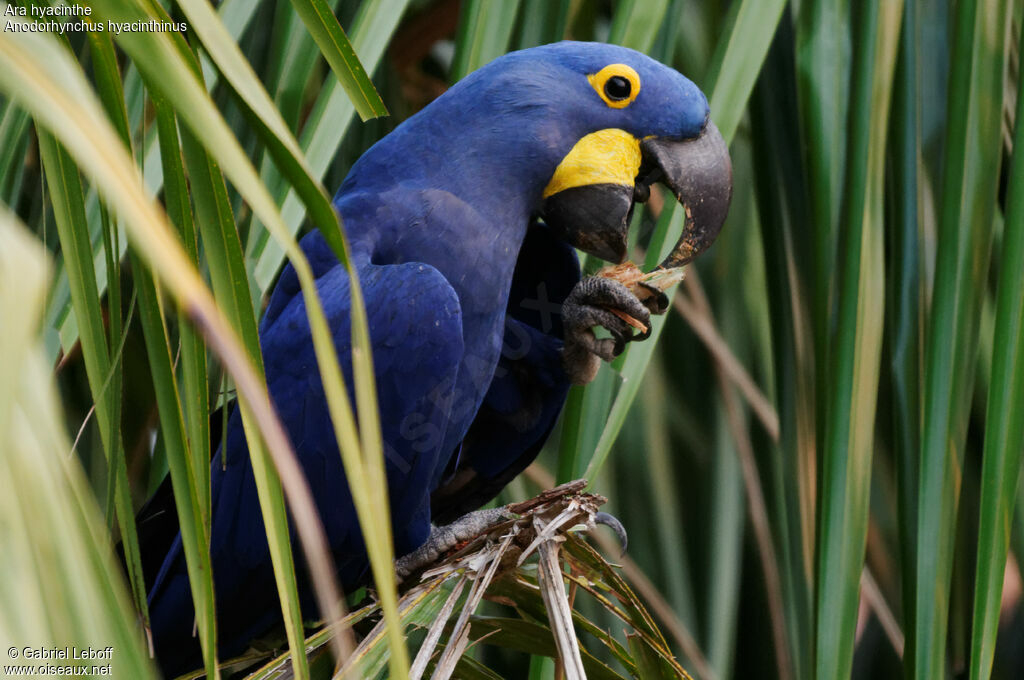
(617, 88)
(617, 84)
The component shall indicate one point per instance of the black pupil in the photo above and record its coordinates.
(617, 88)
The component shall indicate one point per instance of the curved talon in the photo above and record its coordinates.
(613, 523)
(620, 343)
(639, 337)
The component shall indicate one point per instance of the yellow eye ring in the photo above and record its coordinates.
(617, 84)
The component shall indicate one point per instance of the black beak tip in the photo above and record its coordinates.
(699, 173)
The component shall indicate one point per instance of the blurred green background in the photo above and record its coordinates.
(817, 454)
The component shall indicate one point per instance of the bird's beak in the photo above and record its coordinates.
(590, 198)
(699, 173)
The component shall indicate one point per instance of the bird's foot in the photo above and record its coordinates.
(605, 302)
(613, 523)
(444, 538)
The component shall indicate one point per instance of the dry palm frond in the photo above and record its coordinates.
(442, 599)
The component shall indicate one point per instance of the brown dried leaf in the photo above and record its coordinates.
(640, 283)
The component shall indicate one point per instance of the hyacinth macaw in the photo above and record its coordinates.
(462, 224)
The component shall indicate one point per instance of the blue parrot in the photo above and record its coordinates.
(462, 224)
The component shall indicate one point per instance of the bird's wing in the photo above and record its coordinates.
(529, 385)
(416, 334)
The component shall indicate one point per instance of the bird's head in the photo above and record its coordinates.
(614, 122)
(575, 132)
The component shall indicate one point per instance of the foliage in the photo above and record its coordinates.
(841, 379)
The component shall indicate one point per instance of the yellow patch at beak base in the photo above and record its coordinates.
(609, 156)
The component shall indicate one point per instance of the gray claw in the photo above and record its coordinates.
(620, 343)
(612, 522)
